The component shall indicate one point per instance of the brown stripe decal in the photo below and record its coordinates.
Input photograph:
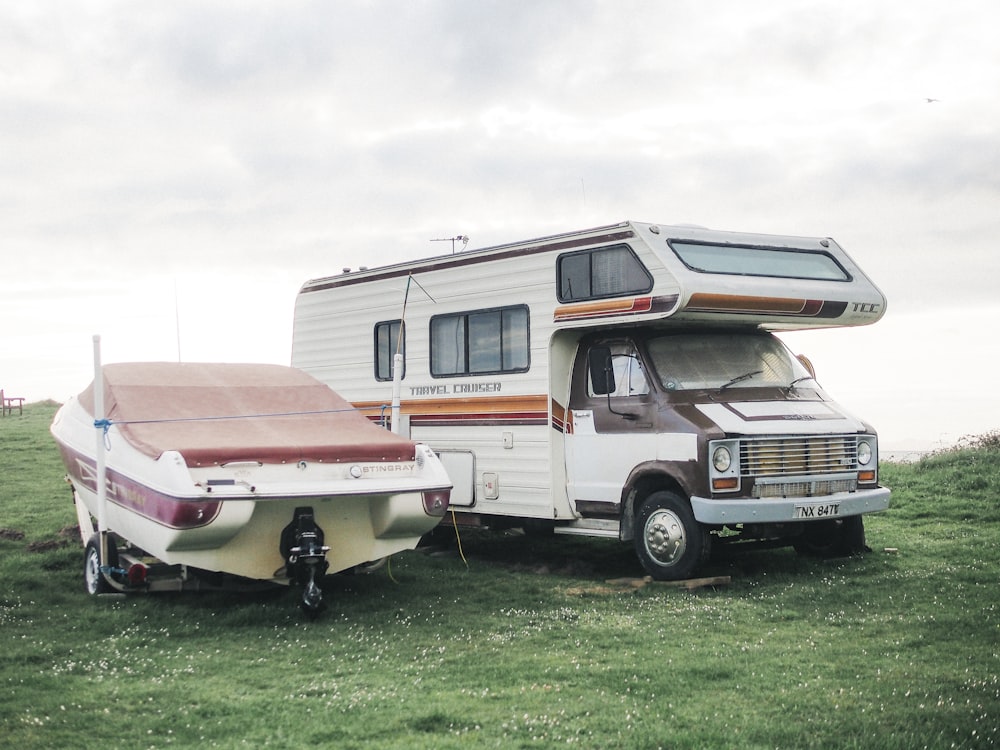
(464, 259)
(477, 420)
(746, 305)
(559, 417)
(165, 510)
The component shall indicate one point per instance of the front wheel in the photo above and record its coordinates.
(94, 580)
(669, 542)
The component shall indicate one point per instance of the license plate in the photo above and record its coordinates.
(819, 510)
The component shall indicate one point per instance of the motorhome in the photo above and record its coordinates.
(624, 381)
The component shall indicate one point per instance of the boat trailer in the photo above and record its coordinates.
(113, 565)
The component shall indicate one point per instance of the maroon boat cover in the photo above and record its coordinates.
(216, 413)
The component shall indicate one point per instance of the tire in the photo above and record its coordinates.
(670, 543)
(94, 582)
(834, 537)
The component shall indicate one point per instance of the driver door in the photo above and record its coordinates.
(611, 408)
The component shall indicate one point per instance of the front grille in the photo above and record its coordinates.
(812, 455)
(805, 488)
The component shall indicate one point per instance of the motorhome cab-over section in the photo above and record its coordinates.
(621, 381)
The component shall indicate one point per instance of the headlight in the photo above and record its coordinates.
(722, 459)
(864, 453)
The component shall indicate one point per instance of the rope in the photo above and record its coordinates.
(458, 538)
(106, 423)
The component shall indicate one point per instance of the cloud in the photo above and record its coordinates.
(241, 143)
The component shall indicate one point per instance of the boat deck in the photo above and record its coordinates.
(222, 413)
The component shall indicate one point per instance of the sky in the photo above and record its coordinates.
(171, 173)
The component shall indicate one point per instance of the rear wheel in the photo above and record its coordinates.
(669, 542)
(93, 579)
(834, 537)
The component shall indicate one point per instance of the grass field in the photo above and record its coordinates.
(526, 645)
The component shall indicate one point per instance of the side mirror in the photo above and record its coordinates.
(602, 376)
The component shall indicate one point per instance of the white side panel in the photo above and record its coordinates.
(599, 465)
(677, 447)
(461, 468)
(522, 471)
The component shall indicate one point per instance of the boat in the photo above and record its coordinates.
(248, 472)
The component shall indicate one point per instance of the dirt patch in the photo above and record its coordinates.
(598, 590)
(70, 533)
(12, 534)
(47, 546)
(567, 568)
(625, 585)
(526, 561)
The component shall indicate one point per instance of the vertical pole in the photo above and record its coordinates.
(102, 487)
(397, 364)
(397, 377)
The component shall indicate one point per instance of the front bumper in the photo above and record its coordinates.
(721, 511)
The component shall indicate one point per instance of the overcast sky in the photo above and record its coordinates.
(170, 173)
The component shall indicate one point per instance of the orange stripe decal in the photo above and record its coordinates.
(604, 307)
(479, 405)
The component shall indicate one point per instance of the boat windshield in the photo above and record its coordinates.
(720, 360)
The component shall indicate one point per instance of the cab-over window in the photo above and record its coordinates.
(601, 272)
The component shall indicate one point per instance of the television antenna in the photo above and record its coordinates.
(463, 238)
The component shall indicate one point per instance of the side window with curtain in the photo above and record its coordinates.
(480, 342)
(389, 337)
(602, 272)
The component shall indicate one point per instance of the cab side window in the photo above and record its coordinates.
(616, 370)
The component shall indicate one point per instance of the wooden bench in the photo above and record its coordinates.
(9, 402)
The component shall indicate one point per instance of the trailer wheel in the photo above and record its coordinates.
(93, 579)
(669, 542)
(834, 537)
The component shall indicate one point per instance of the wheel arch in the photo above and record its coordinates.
(643, 482)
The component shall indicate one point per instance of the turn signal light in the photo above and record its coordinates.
(866, 476)
(725, 483)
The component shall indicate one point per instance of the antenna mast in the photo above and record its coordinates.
(463, 238)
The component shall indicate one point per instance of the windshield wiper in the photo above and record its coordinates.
(740, 379)
(799, 380)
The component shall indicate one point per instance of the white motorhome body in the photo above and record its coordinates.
(595, 382)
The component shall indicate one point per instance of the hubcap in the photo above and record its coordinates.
(664, 535)
(92, 571)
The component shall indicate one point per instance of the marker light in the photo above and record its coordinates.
(436, 501)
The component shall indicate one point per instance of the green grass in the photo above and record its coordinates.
(527, 647)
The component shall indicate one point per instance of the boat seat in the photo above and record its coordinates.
(9, 402)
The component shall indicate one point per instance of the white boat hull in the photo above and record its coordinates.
(229, 516)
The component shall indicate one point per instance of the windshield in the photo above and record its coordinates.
(693, 361)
